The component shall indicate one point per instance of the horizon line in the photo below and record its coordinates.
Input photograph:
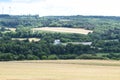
(59, 15)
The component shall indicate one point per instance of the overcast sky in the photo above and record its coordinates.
(61, 7)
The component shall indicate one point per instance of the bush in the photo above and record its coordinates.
(32, 57)
(6, 57)
(90, 56)
(20, 57)
(67, 56)
(52, 57)
(44, 57)
(113, 56)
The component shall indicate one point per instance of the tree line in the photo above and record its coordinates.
(21, 50)
(95, 23)
(45, 48)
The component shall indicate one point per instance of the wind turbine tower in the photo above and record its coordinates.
(10, 10)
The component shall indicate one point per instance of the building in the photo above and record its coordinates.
(57, 41)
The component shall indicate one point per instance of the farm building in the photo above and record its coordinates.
(57, 41)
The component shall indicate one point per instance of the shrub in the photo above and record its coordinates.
(67, 56)
(44, 57)
(90, 56)
(52, 57)
(32, 57)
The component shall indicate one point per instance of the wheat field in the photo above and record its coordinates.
(30, 39)
(59, 29)
(60, 70)
(64, 30)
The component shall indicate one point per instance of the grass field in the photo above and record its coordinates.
(60, 70)
(63, 30)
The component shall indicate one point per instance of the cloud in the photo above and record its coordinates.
(26, 1)
(62, 7)
(5, 1)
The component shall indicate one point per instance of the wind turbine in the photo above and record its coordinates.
(9, 9)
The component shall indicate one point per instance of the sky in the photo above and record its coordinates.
(60, 7)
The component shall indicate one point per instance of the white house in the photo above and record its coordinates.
(57, 41)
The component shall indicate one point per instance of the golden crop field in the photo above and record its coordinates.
(30, 39)
(59, 29)
(60, 70)
(11, 29)
(63, 30)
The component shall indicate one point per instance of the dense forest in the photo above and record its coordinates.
(105, 39)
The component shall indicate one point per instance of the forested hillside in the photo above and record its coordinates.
(102, 43)
(96, 23)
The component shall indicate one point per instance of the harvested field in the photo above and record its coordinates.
(60, 70)
(64, 30)
(11, 29)
(34, 39)
(30, 39)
